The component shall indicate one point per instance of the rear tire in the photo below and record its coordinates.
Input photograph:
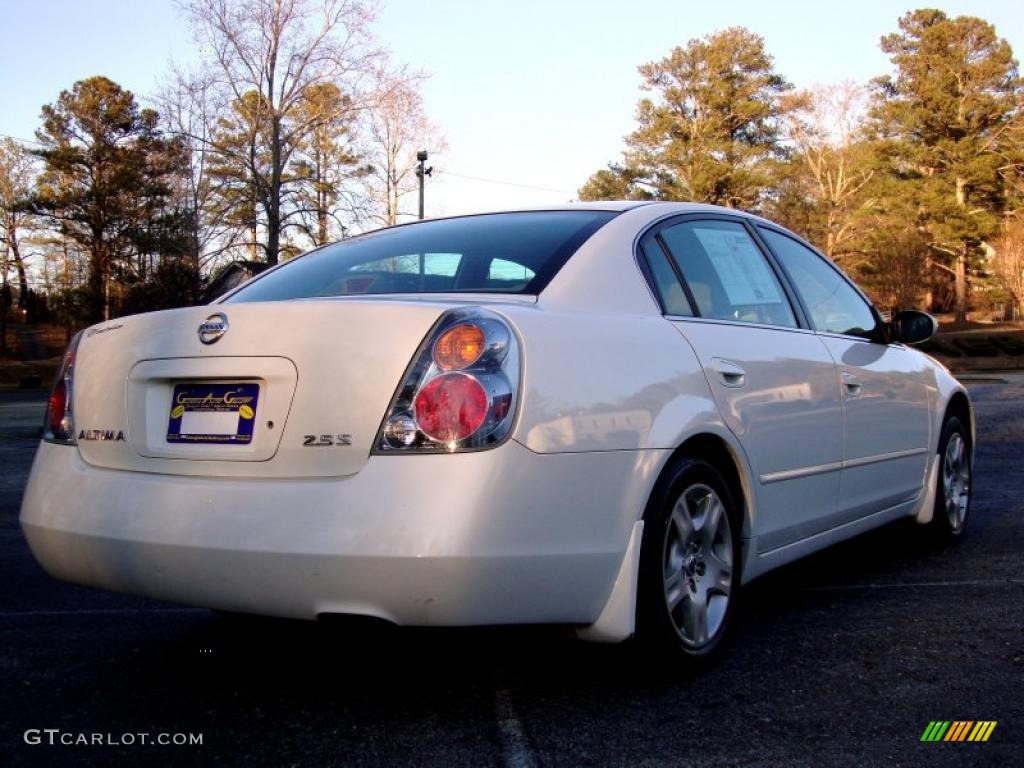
(689, 562)
(953, 494)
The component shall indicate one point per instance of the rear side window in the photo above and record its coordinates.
(727, 274)
(494, 253)
(673, 299)
(833, 304)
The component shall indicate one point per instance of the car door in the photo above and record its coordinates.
(886, 387)
(773, 380)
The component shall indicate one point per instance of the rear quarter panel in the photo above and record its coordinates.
(596, 382)
(604, 371)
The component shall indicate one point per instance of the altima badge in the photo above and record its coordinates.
(213, 327)
(101, 434)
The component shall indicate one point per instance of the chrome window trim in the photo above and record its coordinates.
(750, 225)
(738, 323)
(864, 339)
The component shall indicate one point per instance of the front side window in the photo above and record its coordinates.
(833, 304)
(728, 276)
(494, 253)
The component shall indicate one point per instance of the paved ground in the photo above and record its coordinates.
(840, 660)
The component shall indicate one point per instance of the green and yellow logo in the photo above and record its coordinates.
(958, 730)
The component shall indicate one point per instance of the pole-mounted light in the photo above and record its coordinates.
(421, 173)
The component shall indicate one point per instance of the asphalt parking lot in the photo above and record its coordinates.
(842, 659)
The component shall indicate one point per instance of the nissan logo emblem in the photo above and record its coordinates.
(213, 327)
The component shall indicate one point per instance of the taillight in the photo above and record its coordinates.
(459, 393)
(450, 407)
(58, 406)
(59, 424)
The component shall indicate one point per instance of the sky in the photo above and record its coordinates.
(535, 95)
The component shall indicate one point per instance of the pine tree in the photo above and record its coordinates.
(239, 170)
(324, 164)
(107, 174)
(942, 119)
(711, 133)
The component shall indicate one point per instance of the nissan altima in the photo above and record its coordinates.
(608, 416)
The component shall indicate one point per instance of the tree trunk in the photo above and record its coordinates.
(274, 202)
(67, 293)
(961, 259)
(19, 264)
(961, 286)
(98, 292)
(322, 201)
(321, 218)
(106, 292)
(3, 308)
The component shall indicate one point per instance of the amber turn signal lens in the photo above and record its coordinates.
(459, 347)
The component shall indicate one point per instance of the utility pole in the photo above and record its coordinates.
(421, 173)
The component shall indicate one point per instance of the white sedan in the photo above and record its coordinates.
(608, 416)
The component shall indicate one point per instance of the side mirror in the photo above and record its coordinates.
(912, 327)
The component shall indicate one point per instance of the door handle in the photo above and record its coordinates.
(729, 373)
(851, 384)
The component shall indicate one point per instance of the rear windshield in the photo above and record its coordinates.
(494, 253)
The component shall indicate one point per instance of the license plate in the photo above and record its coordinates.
(213, 413)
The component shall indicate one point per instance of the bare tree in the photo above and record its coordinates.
(824, 128)
(188, 109)
(17, 174)
(397, 127)
(277, 49)
(62, 269)
(1008, 260)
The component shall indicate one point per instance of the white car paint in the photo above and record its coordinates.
(544, 528)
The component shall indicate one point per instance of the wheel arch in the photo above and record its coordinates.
(728, 458)
(617, 620)
(959, 405)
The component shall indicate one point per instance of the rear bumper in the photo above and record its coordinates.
(495, 537)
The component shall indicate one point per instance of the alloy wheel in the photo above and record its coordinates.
(697, 560)
(956, 481)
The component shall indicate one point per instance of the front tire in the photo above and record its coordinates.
(689, 562)
(953, 494)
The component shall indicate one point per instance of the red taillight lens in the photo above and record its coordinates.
(451, 407)
(58, 426)
(58, 407)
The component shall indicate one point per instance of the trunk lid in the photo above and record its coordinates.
(317, 376)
